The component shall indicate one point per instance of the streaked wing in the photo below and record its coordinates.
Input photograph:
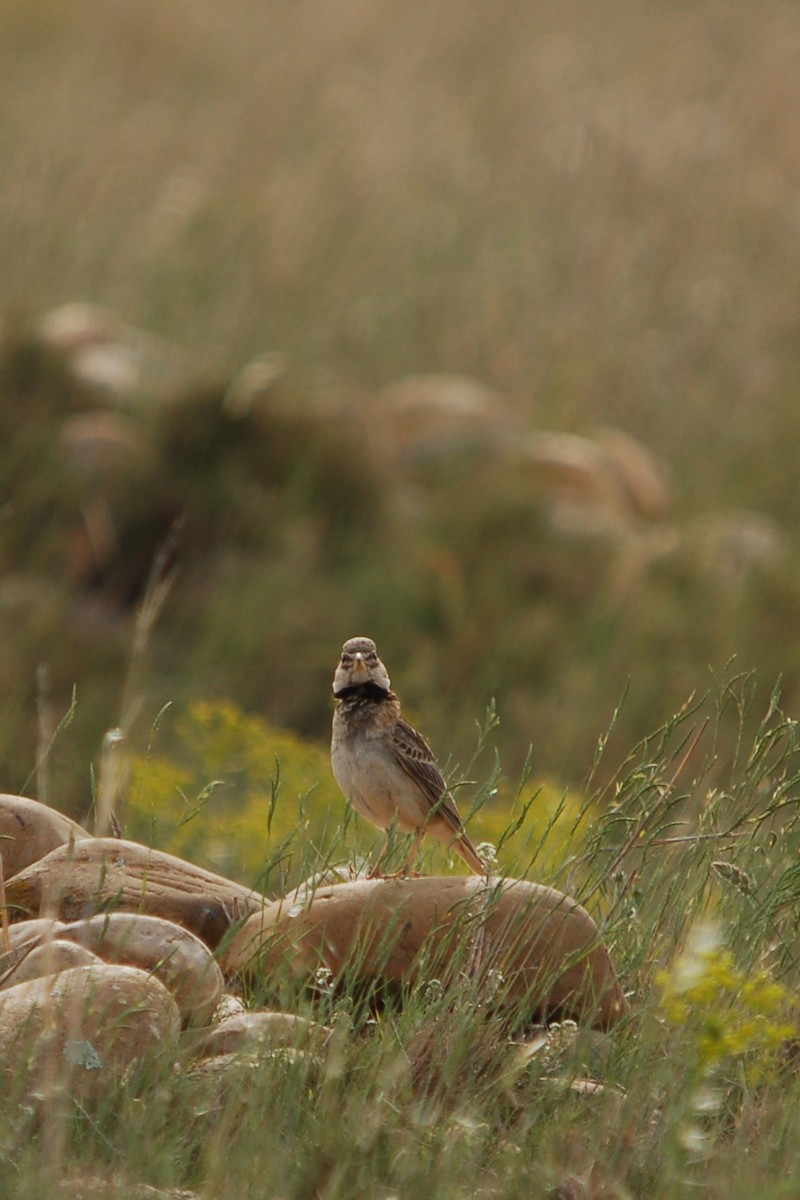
(416, 758)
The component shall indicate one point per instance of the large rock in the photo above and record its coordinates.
(30, 830)
(101, 874)
(33, 961)
(178, 958)
(81, 1029)
(525, 949)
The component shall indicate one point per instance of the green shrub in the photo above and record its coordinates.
(242, 796)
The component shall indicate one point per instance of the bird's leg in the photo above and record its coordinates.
(414, 851)
(405, 870)
(375, 870)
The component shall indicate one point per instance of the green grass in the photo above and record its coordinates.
(690, 869)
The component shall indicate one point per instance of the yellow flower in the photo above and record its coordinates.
(731, 1013)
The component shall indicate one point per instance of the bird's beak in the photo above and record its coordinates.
(359, 672)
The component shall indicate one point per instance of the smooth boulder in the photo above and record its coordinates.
(103, 874)
(30, 830)
(525, 949)
(178, 958)
(33, 961)
(81, 1029)
(260, 1031)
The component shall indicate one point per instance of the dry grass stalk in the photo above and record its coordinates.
(3, 910)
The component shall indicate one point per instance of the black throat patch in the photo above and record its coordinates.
(363, 693)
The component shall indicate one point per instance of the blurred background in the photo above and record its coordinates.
(475, 329)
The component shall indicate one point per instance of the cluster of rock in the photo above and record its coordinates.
(129, 419)
(111, 949)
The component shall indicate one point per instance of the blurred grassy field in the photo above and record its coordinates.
(594, 210)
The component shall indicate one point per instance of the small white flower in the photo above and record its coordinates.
(494, 981)
(433, 990)
(707, 1100)
(323, 979)
(487, 852)
(695, 1141)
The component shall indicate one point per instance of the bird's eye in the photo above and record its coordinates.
(346, 660)
(372, 656)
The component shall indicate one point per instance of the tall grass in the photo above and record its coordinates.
(691, 871)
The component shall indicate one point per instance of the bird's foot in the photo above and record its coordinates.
(401, 874)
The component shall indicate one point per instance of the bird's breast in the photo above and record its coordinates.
(370, 777)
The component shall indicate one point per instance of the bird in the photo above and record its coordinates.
(383, 766)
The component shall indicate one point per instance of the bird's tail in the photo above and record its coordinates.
(463, 846)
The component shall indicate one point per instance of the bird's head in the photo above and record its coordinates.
(360, 665)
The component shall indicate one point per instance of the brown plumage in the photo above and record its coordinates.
(384, 767)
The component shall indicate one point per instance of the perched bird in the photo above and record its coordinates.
(384, 767)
